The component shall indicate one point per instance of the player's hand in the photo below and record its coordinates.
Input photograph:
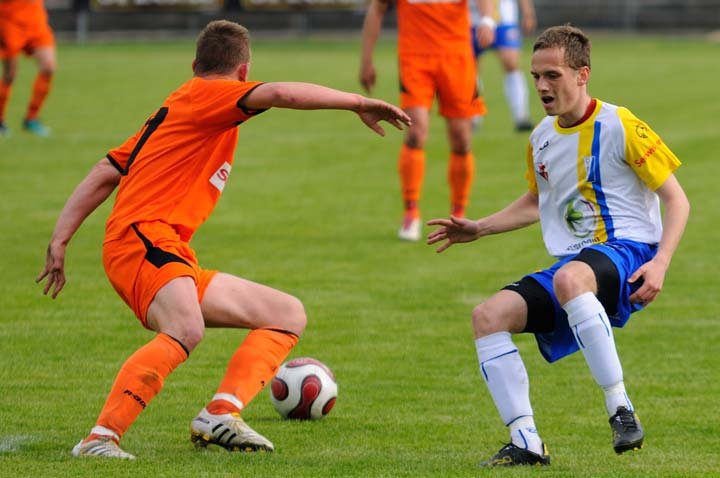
(653, 277)
(367, 76)
(454, 230)
(485, 36)
(373, 111)
(54, 269)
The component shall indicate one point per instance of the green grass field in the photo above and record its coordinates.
(312, 209)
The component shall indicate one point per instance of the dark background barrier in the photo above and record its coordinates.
(152, 18)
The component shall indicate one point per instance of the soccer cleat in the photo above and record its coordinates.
(410, 229)
(524, 125)
(228, 431)
(101, 446)
(35, 127)
(512, 455)
(627, 432)
(4, 130)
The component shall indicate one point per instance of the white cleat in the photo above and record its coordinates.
(103, 447)
(410, 230)
(228, 431)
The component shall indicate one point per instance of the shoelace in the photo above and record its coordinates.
(627, 420)
(508, 446)
(241, 428)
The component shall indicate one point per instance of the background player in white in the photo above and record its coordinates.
(595, 173)
(510, 25)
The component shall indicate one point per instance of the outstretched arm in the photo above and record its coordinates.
(370, 32)
(520, 213)
(677, 210)
(308, 96)
(88, 195)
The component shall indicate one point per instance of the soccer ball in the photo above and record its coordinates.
(303, 389)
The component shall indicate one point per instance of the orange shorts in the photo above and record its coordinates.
(450, 77)
(25, 36)
(144, 258)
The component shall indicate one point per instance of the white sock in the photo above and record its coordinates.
(593, 333)
(101, 430)
(504, 373)
(616, 396)
(524, 435)
(516, 93)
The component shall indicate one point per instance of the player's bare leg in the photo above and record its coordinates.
(9, 70)
(276, 320)
(47, 63)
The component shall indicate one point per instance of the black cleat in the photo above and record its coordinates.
(627, 432)
(512, 455)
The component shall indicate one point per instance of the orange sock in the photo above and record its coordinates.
(41, 88)
(252, 366)
(411, 210)
(4, 97)
(411, 166)
(461, 170)
(140, 378)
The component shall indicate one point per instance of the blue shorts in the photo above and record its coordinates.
(507, 35)
(627, 256)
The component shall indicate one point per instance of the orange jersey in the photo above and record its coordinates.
(433, 27)
(24, 12)
(174, 168)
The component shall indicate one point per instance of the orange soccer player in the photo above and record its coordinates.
(170, 175)
(24, 28)
(435, 59)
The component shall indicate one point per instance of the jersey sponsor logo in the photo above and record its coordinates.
(541, 169)
(580, 217)
(136, 397)
(643, 159)
(641, 131)
(590, 169)
(583, 244)
(220, 177)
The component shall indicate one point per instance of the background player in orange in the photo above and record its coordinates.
(24, 29)
(170, 175)
(436, 58)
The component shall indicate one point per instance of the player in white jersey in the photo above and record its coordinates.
(596, 176)
(510, 24)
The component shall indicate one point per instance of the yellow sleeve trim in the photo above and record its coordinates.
(530, 172)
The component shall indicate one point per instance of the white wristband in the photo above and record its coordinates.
(488, 22)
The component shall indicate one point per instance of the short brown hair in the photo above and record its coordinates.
(572, 40)
(221, 47)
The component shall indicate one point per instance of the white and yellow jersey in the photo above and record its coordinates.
(596, 181)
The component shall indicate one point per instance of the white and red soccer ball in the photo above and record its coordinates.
(303, 389)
